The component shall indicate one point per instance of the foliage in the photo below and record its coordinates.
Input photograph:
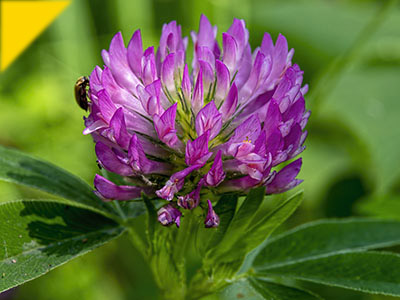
(349, 166)
(39, 235)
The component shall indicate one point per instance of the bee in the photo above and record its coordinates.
(81, 93)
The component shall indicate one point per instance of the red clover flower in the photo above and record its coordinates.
(225, 126)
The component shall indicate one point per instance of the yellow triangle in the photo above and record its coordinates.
(22, 22)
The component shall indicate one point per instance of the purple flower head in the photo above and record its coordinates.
(168, 215)
(224, 122)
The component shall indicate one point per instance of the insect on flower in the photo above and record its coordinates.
(80, 92)
(223, 123)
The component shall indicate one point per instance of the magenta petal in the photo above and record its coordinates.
(109, 160)
(223, 81)
(119, 95)
(209, 118)
(167, 72)
(165, 127)
(205, 54)
(119, 64)
(95, 80)
(254, 165)
(281, 51)
(244, 67)
(92, 127)
(249, 130)
(140, 163)
(241, 184)
(154, 89)
(179, 64)
(285, 178)
(186, 84)
(198, 96)
(171, 41)
(279, 56)
(260, 146)
(118, 126)
(106, 106)
(175, 183)
(208, 75)
(216, 173)
(229, 106)
(137, 157)
(149, 71)
(106, 57)
(216, 49)
(293, 138)
(185, 172)
(259, 73)
(191, 200)
(168, 215)
(274, 142)
(267, 45)
(143, 96)
(230, 52)
(107, 190)
(135, 53)
(239, 32)
(197, 151)
(304, 89)
(207, 33)
(273, 117)
(242, 149)
(150, 97)
(212, 219)
(244, 137)
(295, 111)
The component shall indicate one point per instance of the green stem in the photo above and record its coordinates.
(184, 236)
(119, 210)
(329, 77)
(169, 270)
(137, 242)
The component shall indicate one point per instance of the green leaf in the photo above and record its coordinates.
(273, 291)
(151, 219)
(327, 237)
(260, 231)
(371, 272)
(247, 211)
(259, 289)
(130, 209)
(241, 221)
(21, 168)
(224, 262)
(37, 236)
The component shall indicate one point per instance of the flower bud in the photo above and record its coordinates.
(191, 200)
(212, 219)
(168, 215)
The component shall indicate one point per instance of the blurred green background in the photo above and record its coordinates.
(349, 51)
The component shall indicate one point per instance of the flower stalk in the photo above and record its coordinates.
(185, 133)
